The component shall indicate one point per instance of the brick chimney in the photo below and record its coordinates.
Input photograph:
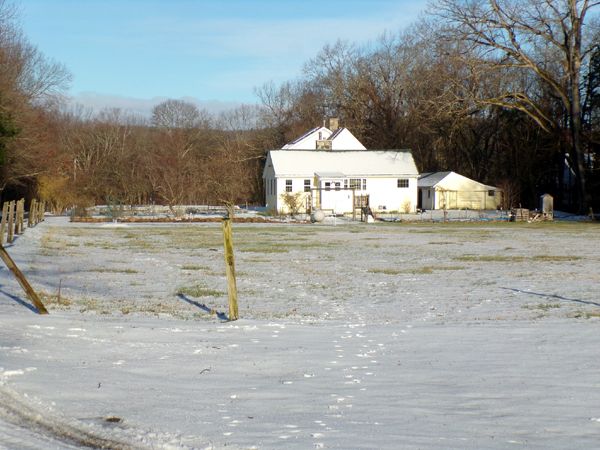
(334, 123)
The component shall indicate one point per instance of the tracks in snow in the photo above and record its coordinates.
(24, 426)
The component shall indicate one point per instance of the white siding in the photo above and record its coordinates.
(385, 195)
(345, 140)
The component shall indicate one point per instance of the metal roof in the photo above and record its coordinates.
(433, 179)
(306, 135)
(330, 174)
(430, 179)
(304, 163)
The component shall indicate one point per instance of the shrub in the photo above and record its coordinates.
(294, 202)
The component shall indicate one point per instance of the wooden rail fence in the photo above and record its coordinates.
(12, 224)
(13, 218)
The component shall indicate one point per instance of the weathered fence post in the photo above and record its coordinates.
(19, 216)
(38, 212)
(230, 269)
(11, 222)
(22, 281)
(3, 222)
(22, 216)
(31, 215)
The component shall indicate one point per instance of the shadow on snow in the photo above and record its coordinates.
(221, 315)
(558, 297)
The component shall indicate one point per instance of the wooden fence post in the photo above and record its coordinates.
(31, 215)
(22, 216)
(11, 222)
(17, 212)
(38, 207)
(22, 281)
(230, 269)
(42, 210)
(3, 222)
(19, 217)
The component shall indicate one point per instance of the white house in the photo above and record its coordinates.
(324, 175)
(450, 190)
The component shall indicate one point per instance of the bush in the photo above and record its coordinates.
(294, 202)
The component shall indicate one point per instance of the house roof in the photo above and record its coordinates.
(430, 179)
(336, 133)
(305, 163)
(330, 174)
(307, 140)
(305, 135)
(342, 139)
(436, 179)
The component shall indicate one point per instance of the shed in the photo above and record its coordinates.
(450, 190)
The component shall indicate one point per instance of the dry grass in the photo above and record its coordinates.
(194, 267)
(424, 270)
(198, 290)
(386, 271)
(517, 258)
(542, 306)
(111, 270)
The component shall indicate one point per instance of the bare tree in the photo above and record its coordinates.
(545, 39)
(179, 114)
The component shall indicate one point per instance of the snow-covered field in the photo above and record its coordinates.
(351, 336)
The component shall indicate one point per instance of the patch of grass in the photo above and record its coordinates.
(111, 270)
(586, 314)
(51, 300)
(490, 258)
(386, 271)
(136, 243)
(102, 245)
(264, 249)
(256, 260)
(194, 267)
(430, 269)
(425, 270)
(516, 258)
(198, 290)
(52, 245)
(542, 306)
(555, 258)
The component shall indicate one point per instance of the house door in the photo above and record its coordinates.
(334, 198)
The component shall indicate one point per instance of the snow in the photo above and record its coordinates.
(351, 336)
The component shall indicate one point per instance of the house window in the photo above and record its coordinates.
(327, 186)
(288, 185)
(355, 183)
(402, 182)
(491, 193)
(428, 193)
(364, 183)
(306, 185)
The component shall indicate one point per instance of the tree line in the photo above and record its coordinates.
(506, 92)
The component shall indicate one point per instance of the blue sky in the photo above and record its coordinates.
(133, 53)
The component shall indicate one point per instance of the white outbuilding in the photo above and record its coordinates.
(450, 190)
(332, 171)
